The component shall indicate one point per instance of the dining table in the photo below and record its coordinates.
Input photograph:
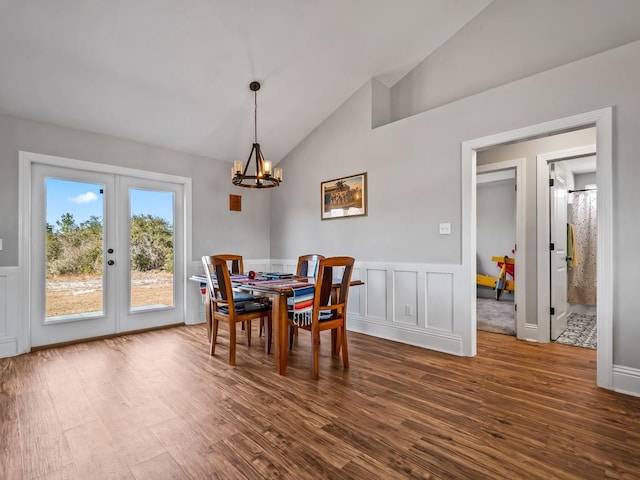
(278, 287)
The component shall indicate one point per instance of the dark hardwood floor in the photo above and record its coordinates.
(155, 406)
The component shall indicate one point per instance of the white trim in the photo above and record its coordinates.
(520, 295)
(604, 139)
(446, 342)
(26, 160)
(9, 323)
(626, 380)
(542, 222)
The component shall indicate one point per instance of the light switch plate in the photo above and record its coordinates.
(445, 229)
(0, 244)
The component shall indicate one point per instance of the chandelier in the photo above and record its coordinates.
(261, 176)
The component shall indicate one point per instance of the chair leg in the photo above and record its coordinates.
(232, 342)
(292, 332)
(208, 315)
(335, 342)
(248, 332)
(268, 328)
(315, 353)
(345, 351)
(214, 336)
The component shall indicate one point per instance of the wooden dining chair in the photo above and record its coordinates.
(236, 267)
(329, 310)
(223, 306)
(307, 267)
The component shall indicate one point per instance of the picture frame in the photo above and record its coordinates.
(344, 197)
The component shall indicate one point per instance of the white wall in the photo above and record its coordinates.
(583, 179)
(414, 170)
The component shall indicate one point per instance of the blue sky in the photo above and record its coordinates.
(83, 200)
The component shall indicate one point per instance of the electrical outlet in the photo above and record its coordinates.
(408, 311)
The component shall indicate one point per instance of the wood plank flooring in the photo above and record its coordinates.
(156, 406)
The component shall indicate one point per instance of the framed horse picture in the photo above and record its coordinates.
(344, 197)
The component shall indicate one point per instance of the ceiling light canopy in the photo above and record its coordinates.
(261, 176)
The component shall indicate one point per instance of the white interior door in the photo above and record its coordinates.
(106, 256)
(558, 255)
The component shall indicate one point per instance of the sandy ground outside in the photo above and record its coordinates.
(70, 294)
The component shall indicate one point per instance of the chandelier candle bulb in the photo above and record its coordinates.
(277, 172)
(267, 167)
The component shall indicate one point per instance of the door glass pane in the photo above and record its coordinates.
(151, 243)
(73, 249)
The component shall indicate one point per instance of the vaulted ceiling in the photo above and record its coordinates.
(175, 73)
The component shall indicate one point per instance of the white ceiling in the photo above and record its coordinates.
(175, 73)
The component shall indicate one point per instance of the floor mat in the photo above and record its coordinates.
(581, 331)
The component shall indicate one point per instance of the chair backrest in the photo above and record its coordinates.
(234, 262)
(328, 268)
(218, 265)
(306, 261)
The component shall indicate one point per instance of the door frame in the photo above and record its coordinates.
(542, 221)
(521, 237)
(26, 161)
(603, 121)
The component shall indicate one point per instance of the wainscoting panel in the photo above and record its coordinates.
(405, 297)
(439, 299)
(379, 307)
(3, 306)
(9, 318)
(376, 294)
(354, 305)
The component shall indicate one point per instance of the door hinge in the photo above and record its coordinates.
(515, 187)
(552, 246)
(551, 182)
(552, 311)
(515, 307)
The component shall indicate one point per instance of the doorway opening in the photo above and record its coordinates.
(500, 219)
(602, 121)
(568, 223)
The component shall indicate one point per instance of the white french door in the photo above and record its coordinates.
(105, 254)
(149, 280)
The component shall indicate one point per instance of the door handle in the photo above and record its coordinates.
(111, 262)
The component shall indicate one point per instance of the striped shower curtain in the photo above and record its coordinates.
(582, 277)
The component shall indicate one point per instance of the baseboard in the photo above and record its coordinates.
(626, 380)
(530, 333)
(445, 342)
